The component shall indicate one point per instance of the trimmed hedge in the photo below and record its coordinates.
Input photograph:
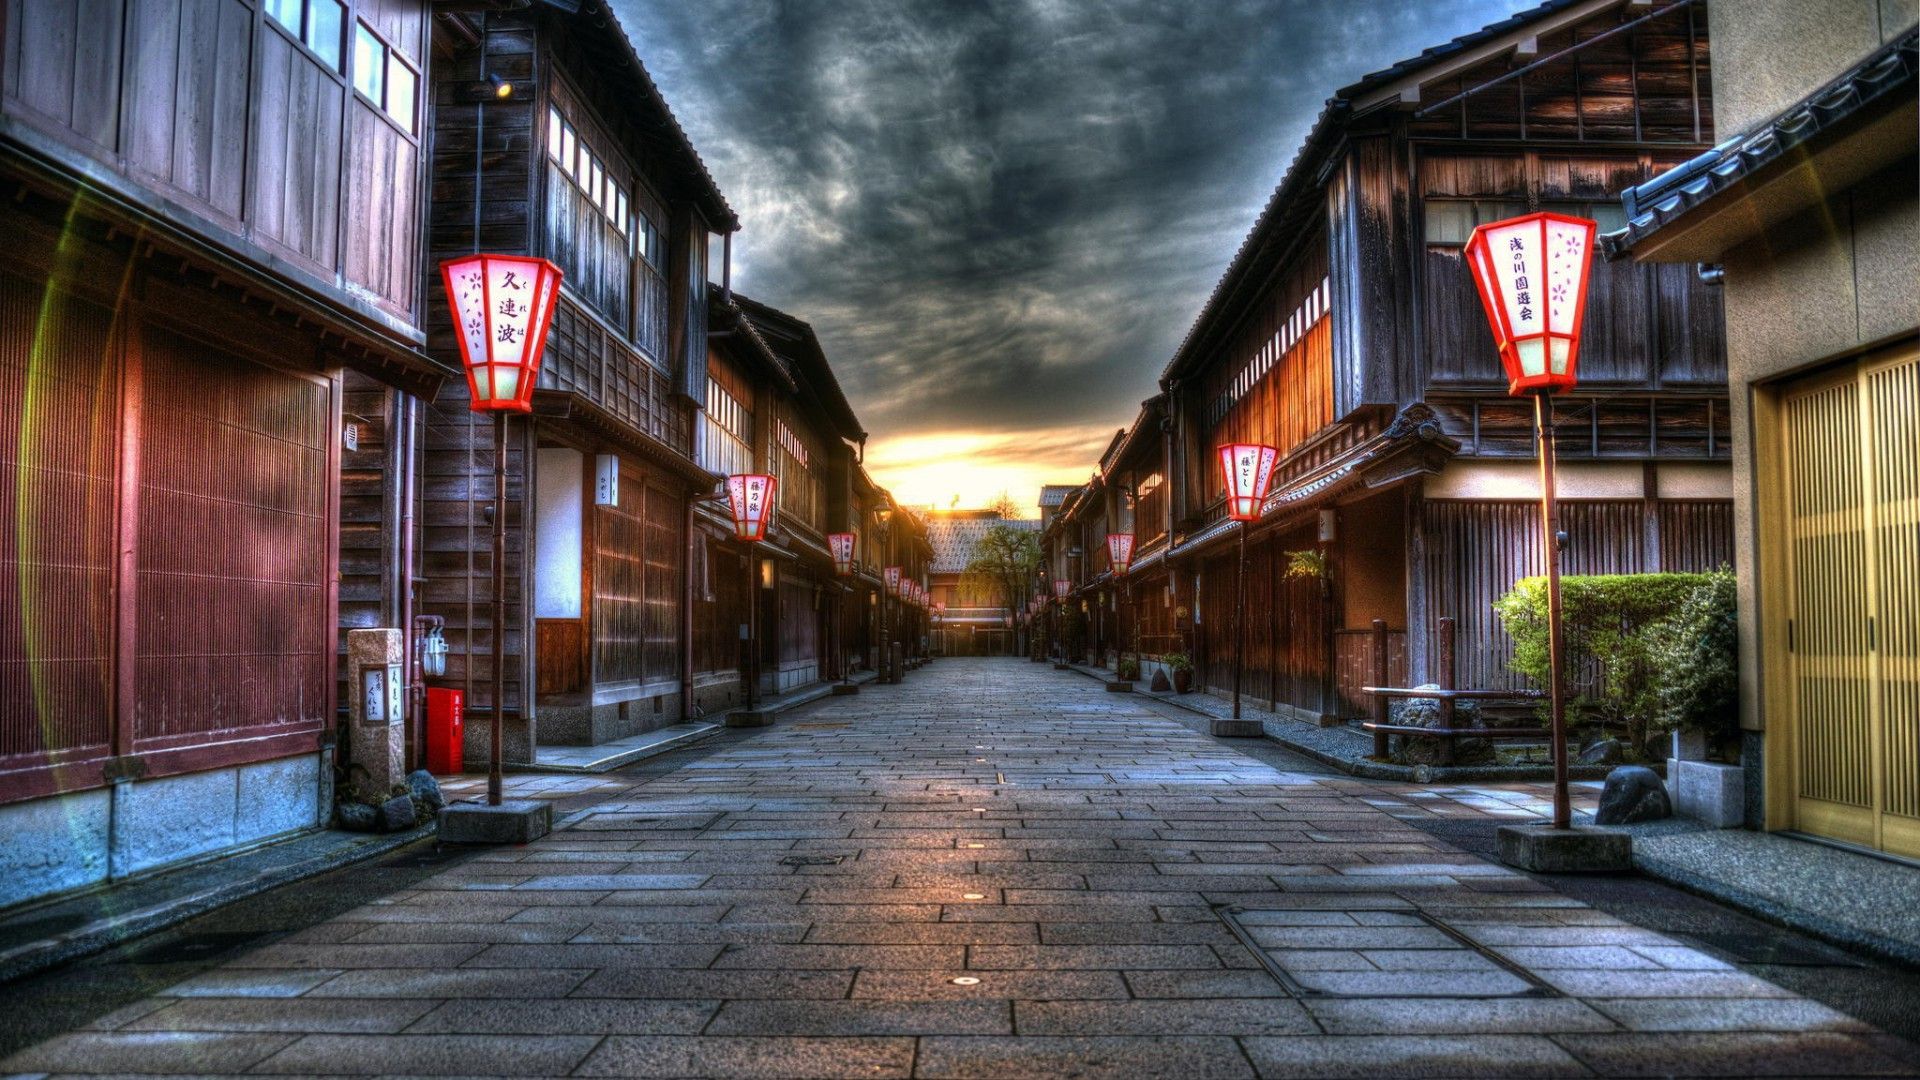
(1658, 648)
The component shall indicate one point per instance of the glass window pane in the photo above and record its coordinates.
(369, 63)
(555, 142)
(1448, 221)
(567, 148)
(1610, 216)
(286, 13)
(593, 179)
(326, 24)
(401, 82)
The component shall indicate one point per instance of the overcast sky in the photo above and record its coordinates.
(1001, 216)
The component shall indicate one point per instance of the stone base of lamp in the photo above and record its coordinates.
(1581, 849)
(514, 821)
(1221, 727)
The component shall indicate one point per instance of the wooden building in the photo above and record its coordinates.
(1346, 332)
(213, 217)
(977, 620)
(550, 139)
(773, 406)
(1810, 209)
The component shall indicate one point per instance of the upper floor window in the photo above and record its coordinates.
(1451, 221)
(320, 24)
(383, 78)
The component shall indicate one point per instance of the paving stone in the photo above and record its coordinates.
(811, 919)
(1260, 1016)
(1022, 985)
(863, 1018)
(1377, 1057)
(330, 1015)
(1193, 1057)
(567, 1016)
(1455, 1016)
(146, 1051)
(1745, 1053)
(774, 1058)
(432, 1055)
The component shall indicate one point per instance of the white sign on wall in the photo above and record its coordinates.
(606, 486)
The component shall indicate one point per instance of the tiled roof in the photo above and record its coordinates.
(953, 539)
(1889, 74)
(1055, 494)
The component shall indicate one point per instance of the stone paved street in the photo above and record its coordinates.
(995, 869)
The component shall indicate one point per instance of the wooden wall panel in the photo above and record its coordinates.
(235, 625)
(59, 386)
(720, 597)
(382, 220)
(620, 584)
(185, 126)
(665, 548)
(296, 133)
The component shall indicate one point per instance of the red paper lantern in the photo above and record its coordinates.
(891, 575)
(841, 545)
(1120, 551)
(750, 496)
(1248, 470)
(1061, 586)
(502, 306)
(1532, 275)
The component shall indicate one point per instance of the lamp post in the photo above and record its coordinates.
(750, 499)
(1531, 272)
(840, 546)
(502, 306)
(1120, 556)
(1247, 469)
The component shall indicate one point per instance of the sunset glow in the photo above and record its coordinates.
(975, 467)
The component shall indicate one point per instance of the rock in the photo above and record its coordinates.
(425, 789)
(396, 814)
(1425, 712)
(1160, 682)
(1604, 752)
(1632, 793)
(357, 817)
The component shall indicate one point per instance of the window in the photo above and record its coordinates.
(1451, 221)
(382, 77)
(369, 64)
(319, 24)
(326, 22)
(402, 91)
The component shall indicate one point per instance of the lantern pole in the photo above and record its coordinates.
(499, 605)
(1556, 637)
(753, 628)
(1239, 617)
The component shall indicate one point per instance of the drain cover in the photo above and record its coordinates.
(812, 860)
(1375, 953)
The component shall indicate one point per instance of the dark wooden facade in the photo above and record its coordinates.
(1347, 333)
(214, 224)
(582, 164)
(773, 406)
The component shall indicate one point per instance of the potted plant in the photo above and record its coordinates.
(1182, 667)
(1128, 669)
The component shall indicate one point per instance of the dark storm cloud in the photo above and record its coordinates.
(1006, 213)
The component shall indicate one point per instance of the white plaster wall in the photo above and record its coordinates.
(558, 503)
(1577, 480)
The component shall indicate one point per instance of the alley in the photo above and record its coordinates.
(994, 869)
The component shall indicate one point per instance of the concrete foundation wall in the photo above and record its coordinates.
(67, 842)
(590, 725)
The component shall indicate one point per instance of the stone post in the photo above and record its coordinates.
(376, 711)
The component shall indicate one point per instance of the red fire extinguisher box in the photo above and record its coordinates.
(446, 730)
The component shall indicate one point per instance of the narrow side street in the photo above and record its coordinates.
(995, 869)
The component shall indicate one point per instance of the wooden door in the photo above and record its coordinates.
(1851, 455)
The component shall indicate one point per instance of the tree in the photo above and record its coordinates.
(1002, 564)
(1005, 507)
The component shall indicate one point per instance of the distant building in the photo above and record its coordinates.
(977, 622)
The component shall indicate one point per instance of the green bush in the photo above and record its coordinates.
(1611, 622)
(1696, 656)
